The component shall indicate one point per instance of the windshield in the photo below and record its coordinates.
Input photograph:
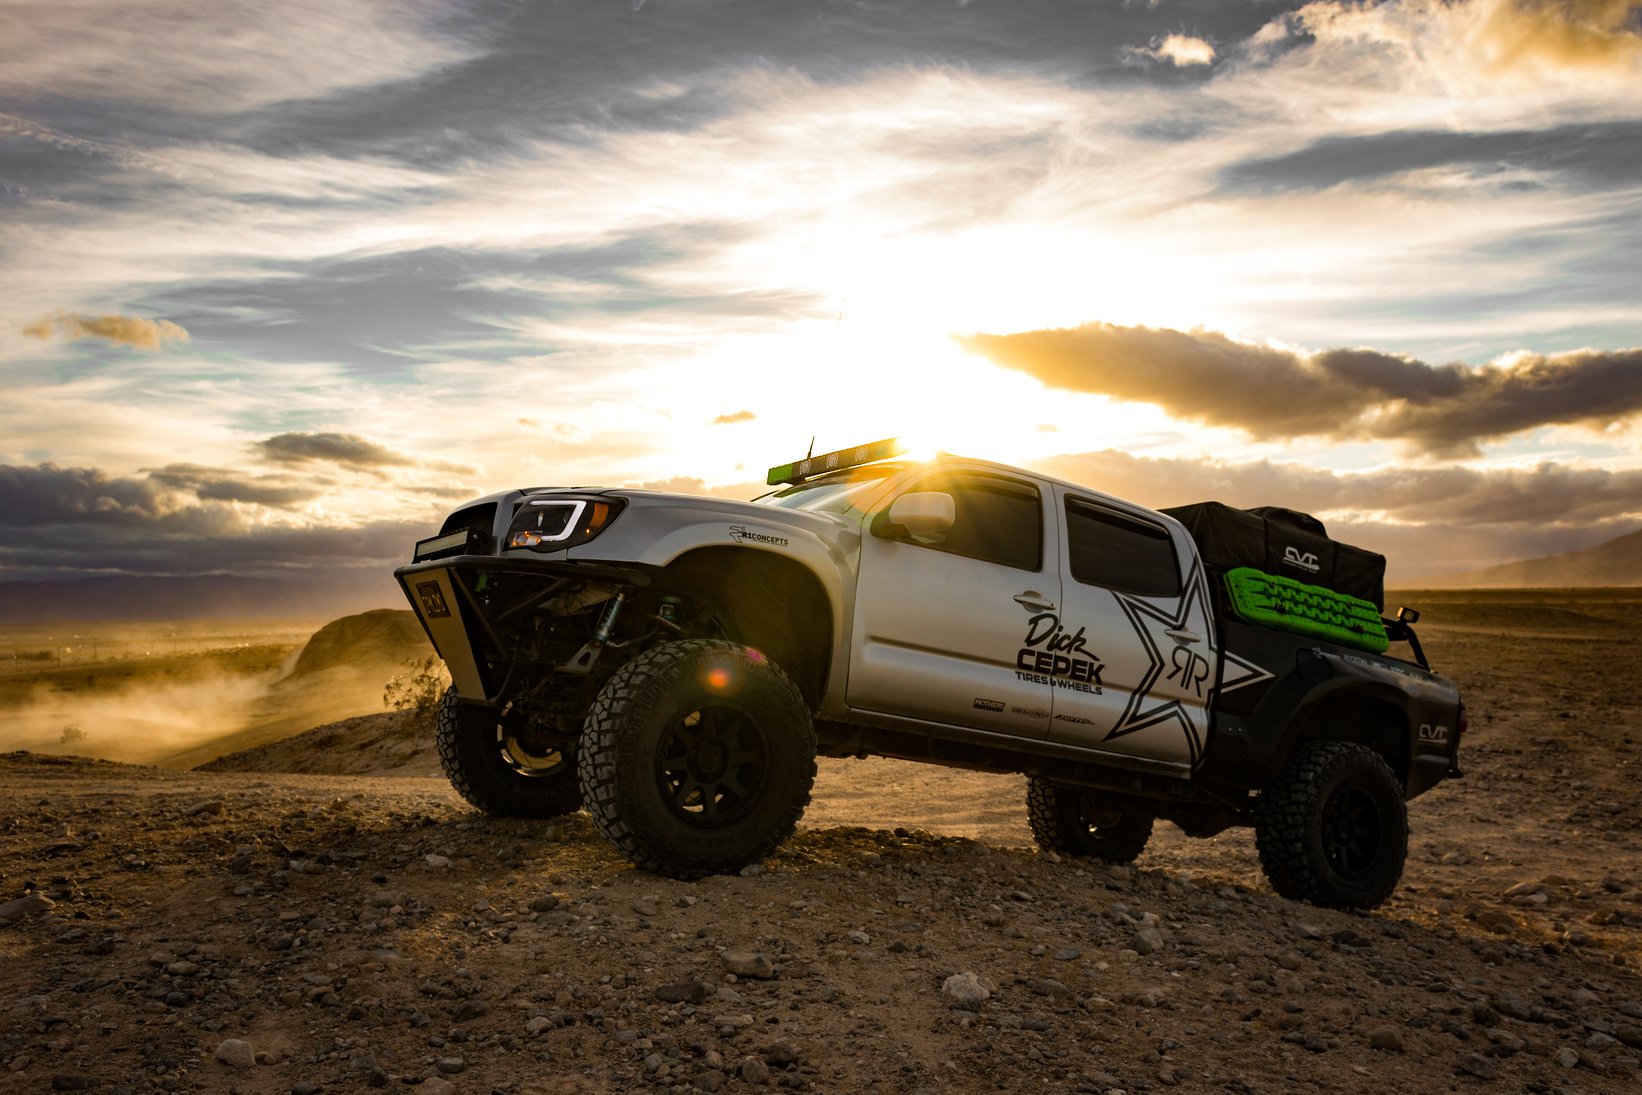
(836, 493)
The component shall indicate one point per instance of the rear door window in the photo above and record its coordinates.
(1119, 551)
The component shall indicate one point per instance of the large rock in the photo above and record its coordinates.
(967, 990)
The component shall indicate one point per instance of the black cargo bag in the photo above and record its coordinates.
(1284, 542)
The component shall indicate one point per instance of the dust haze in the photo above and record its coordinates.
(180, 695)
(141, 723)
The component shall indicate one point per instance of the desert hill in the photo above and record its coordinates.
(1617, 562)
(380, 635)
(339, 673)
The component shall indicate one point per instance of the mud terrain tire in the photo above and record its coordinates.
(1071, 820)
(1332, 829)
(697, 758)
(493, 769)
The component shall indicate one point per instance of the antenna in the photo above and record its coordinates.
(812, 448)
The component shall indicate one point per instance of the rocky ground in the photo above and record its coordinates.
(276, 932)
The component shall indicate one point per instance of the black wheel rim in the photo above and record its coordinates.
(1096, 816)
(1352, 832)
(712, 765)
(529, 751)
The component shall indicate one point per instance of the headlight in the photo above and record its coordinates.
(551, 524)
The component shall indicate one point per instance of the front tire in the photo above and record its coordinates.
(698, 758)
(502, 766)
(1073, 821)
(1332, 829)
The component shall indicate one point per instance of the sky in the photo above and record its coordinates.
(281, 284)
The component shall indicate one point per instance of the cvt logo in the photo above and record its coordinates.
(1306, 560)
(1435, 734)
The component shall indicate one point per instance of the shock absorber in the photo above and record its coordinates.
(589, 653)
(607, 621)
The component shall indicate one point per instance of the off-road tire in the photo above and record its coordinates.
(1332, 829)
(1070, 820)
(473, 751)
(697, 758)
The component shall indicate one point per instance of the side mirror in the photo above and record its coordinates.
(1408, 615)
(921, 513)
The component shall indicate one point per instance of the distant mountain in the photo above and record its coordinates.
(1615, 563)
(209, 597)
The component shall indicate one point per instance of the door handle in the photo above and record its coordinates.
(1033, 599)
(1181, 635)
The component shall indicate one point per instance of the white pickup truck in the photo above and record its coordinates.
(675, 663)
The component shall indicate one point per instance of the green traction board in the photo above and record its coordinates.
(1288, 605)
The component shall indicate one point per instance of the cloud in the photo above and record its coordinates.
(1180, 50)
(686, 484)
(184, 499)
(370, 550)
(1425, 520)
(147, 334)
(1274, 393)
(336, 448)
(47, 494)
(1499, 37)
(217, 58)
(1578, 34)
(731, 419)
(1600, 154)
(1455, 62)
(182, 519)
(217, 485)
(1543, 495)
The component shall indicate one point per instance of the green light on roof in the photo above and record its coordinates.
(812, 466)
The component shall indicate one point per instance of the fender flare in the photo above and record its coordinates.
(1363, 702)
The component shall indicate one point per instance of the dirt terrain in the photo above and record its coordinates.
(270, 931)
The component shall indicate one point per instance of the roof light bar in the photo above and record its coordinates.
(811, 466)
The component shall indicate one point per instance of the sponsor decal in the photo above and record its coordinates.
(1031, 712)
(1190, 668)
(1365, 663)
(1305, 560)
(433, 601)
(1236, 672)
(1434, 735)
(1076, 720)
(1172, 659)
(988, 705)
(1049, 654)
(741, 534)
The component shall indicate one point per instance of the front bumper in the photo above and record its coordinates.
(468, 629)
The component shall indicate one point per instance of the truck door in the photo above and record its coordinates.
(941, 620)
(1137, 607)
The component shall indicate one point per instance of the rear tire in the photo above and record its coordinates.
(1071, 820)
(501, 767)
(1332, 829)
(697, 758)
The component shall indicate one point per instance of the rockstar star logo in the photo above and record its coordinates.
(1171, 658)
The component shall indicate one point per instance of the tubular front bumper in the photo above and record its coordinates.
(467, 629)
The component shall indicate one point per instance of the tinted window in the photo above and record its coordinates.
(1111, 549)
(995, 520)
